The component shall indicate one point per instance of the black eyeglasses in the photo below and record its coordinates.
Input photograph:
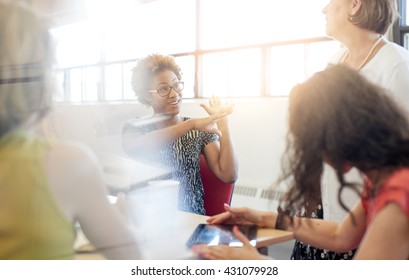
(164, 91)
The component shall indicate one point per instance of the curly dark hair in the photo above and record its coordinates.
(339, 114)
(146, 69)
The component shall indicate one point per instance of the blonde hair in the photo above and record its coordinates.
(376, 15)
(26, 62)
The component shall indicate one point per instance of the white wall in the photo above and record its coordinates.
(258, 127)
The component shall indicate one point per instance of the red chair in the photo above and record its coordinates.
(216, 192)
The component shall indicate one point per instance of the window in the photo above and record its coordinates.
(229, 23)
(230, 48)
(187, 64)
(232, 73)
(78, 44)
(158, 27)
(401, 28)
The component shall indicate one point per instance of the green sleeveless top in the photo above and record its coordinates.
(32, 226)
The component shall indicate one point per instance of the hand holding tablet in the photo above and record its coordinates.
(213, 235)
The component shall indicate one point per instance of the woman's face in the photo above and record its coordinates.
(168, 104)
(336, 15)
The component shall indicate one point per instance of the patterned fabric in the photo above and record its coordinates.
(32, 226)
(182, 159)
(303, 251)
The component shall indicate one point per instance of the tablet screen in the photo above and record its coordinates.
(213, 235)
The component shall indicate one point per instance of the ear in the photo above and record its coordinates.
(355, 6)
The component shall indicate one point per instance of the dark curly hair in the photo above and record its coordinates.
(146, 69)
(337, 112)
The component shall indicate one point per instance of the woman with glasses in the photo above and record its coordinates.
(172, 141)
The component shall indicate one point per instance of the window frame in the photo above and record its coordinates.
(198, 54)
(400, 28)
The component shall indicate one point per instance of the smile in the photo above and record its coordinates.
(174, 102)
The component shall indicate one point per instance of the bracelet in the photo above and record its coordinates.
(280, 223)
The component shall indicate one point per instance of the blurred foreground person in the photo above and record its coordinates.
(45, 188)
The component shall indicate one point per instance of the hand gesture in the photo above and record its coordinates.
(224, 252)
(215, 106)
(217, 111)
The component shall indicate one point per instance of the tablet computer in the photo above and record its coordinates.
(213, 235)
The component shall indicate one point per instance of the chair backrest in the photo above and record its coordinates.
(216, 192)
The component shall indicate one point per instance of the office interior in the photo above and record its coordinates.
(248, 52)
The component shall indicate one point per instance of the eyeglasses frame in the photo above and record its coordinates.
(170, 89)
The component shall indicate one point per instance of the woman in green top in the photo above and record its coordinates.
(45, 187)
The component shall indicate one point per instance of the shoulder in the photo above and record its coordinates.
(390, 69)
(336, 58)
(396, 189)
(74, 174)
(399, 179)
(391, 53)
(71, 150)
(72, 157)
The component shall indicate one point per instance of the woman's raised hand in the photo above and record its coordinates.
(217, 111)
(216, 106)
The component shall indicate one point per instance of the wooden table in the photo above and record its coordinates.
(169, 243)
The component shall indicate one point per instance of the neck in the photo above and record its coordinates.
(378, 176)
(361, 42)
(361, 49)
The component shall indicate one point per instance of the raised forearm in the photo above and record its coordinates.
(227, 160)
